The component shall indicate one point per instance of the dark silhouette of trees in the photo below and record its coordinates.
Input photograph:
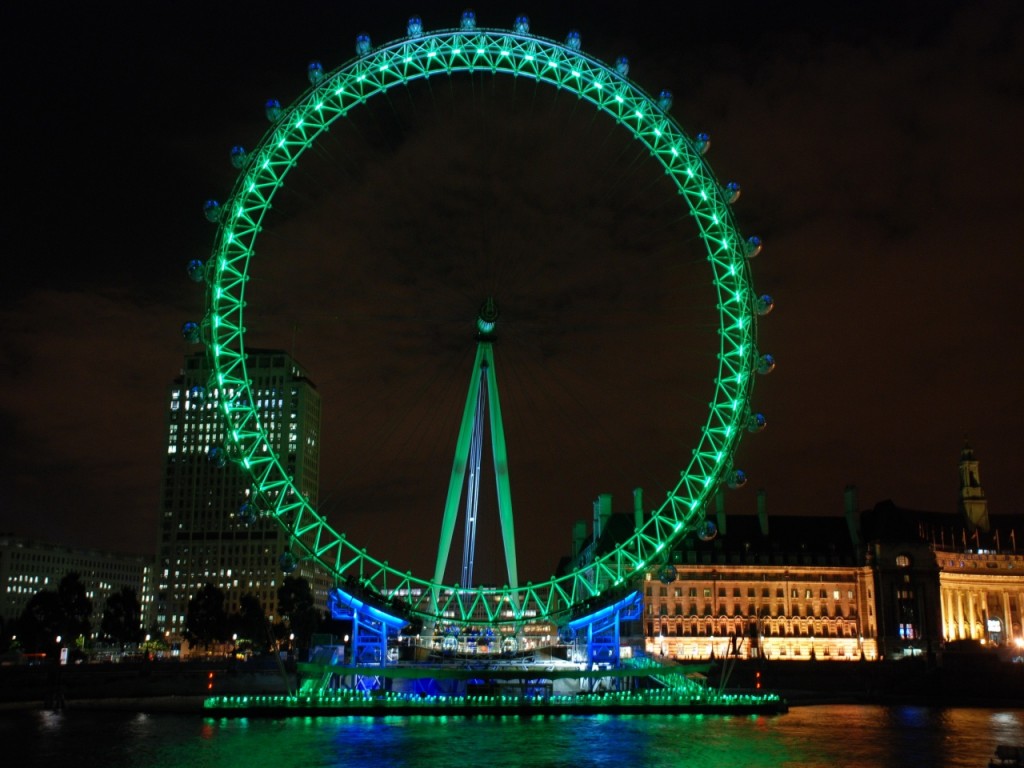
(250, 623)
(65, 613)
(122, 618)
(40, 623)
(295, 602)
(76, 607)
(206, 621)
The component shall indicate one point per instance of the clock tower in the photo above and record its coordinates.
(972, 496)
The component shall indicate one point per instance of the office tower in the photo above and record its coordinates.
(203, 535)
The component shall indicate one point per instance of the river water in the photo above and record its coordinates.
(834, 735)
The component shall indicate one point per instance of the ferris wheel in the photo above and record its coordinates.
(646, 119)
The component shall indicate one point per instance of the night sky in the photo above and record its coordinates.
(880, 157)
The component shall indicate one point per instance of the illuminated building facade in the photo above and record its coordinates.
(906, 578)
(883, 583)
(787, 588)
(29, 566)
(209, 532)
(960, 576)
(950, 583)
(981, 581)
(982, 595)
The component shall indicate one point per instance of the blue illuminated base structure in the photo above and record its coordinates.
(370, 680)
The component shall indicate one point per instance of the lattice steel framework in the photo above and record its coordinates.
(562, 65)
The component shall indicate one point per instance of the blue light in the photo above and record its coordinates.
(338, 595)
(603, 613)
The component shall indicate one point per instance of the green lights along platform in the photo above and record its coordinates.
(383, 704)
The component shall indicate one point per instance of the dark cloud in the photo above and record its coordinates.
(83, 415)
(880, 158)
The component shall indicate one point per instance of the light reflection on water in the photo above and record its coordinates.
(835, 736)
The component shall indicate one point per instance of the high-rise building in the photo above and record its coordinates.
(204, 535)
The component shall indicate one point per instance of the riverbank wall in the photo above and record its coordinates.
(965, 681)
(962, 680)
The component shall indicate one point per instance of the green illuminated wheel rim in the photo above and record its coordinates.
(562, 65)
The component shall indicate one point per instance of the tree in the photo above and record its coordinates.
(293, 595)
(122, 617)
(40, 623)
(295, 601)
(250, 622)
(48, 615)
(76, 607)
(206, 621)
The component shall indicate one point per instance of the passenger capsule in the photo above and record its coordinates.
(665, 101)
(196, 271)
(217, 457)
(754, 246)
(667, 574)
(211, 209)
(736, 479)
(765, 364)
(197, 394)
(702, 143)
(732, 192)
(522, 25)
(315, 72)
(247, 513)
(363, 44)
(756, 423)
(288, 562)
(273, 110)
(239, 156)
(572, 40)
(707, 530)
(622, 65)
(190, 332)
(765, 304)
(415, 26)
(468, 20)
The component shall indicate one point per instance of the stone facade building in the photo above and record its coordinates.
(886, 582)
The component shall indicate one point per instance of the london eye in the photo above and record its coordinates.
(295, 132)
